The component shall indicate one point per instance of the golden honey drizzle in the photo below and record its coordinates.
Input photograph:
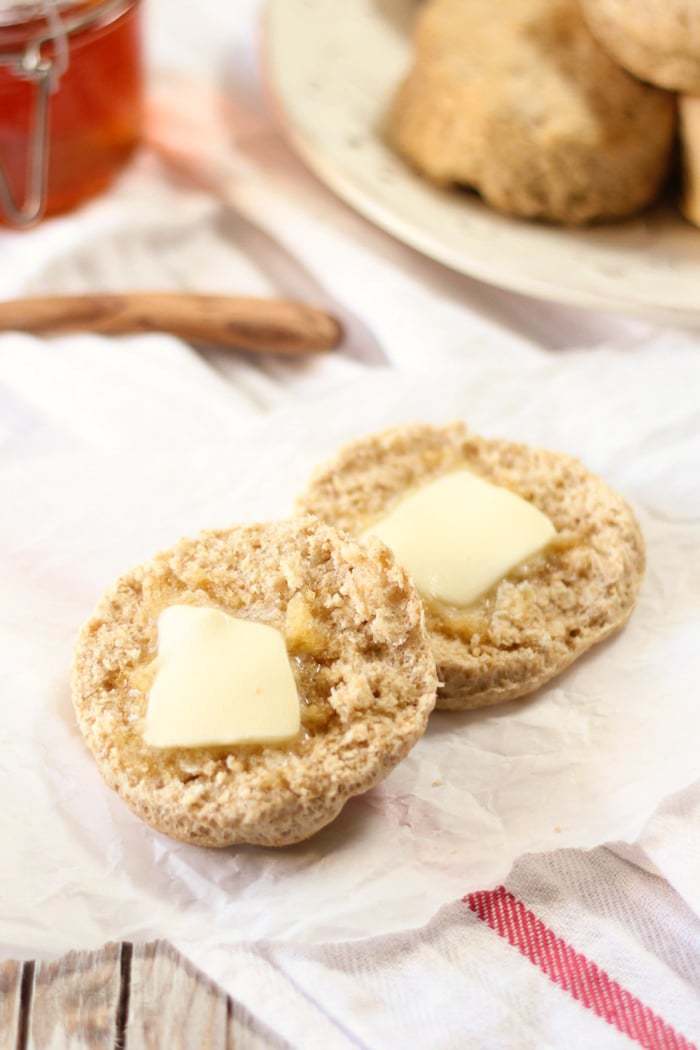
(465, 623)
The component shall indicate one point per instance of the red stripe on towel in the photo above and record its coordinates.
(572, 971)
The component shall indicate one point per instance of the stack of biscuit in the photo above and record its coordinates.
(358, 638)
(559, 110)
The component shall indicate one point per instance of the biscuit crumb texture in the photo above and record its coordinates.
(657, 40)
(547, 612)
(518, 101)
(355, 631)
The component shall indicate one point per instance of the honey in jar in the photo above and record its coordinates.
(71, 92)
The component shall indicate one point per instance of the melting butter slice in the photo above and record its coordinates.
(459, 535)
(219, 680)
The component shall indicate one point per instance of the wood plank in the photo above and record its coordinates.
(75, 1001)
(146, 997)
(173, 1006)
(10, 988)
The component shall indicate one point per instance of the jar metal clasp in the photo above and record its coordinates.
(30, 64)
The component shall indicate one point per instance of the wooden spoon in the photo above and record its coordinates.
(275, 325)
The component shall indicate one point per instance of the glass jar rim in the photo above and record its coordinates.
(83, 17)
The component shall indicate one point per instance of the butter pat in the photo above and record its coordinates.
(459, 535)
(219, 680)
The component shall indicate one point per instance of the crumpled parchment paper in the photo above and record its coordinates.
(125, 460)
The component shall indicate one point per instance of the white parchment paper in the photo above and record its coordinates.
(110, 463)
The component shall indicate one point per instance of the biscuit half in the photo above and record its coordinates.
(354, 628)
(540, 617)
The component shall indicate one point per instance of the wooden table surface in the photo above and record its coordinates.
(123, 997)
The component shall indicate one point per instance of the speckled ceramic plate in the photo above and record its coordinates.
(332, 67)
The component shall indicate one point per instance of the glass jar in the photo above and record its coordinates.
(71, 100)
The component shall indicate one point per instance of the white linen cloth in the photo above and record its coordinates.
(633, 909)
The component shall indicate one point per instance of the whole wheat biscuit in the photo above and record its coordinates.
(354, 628)
(657, 40)
(689, 113)
(518, 101)
(543, 615)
